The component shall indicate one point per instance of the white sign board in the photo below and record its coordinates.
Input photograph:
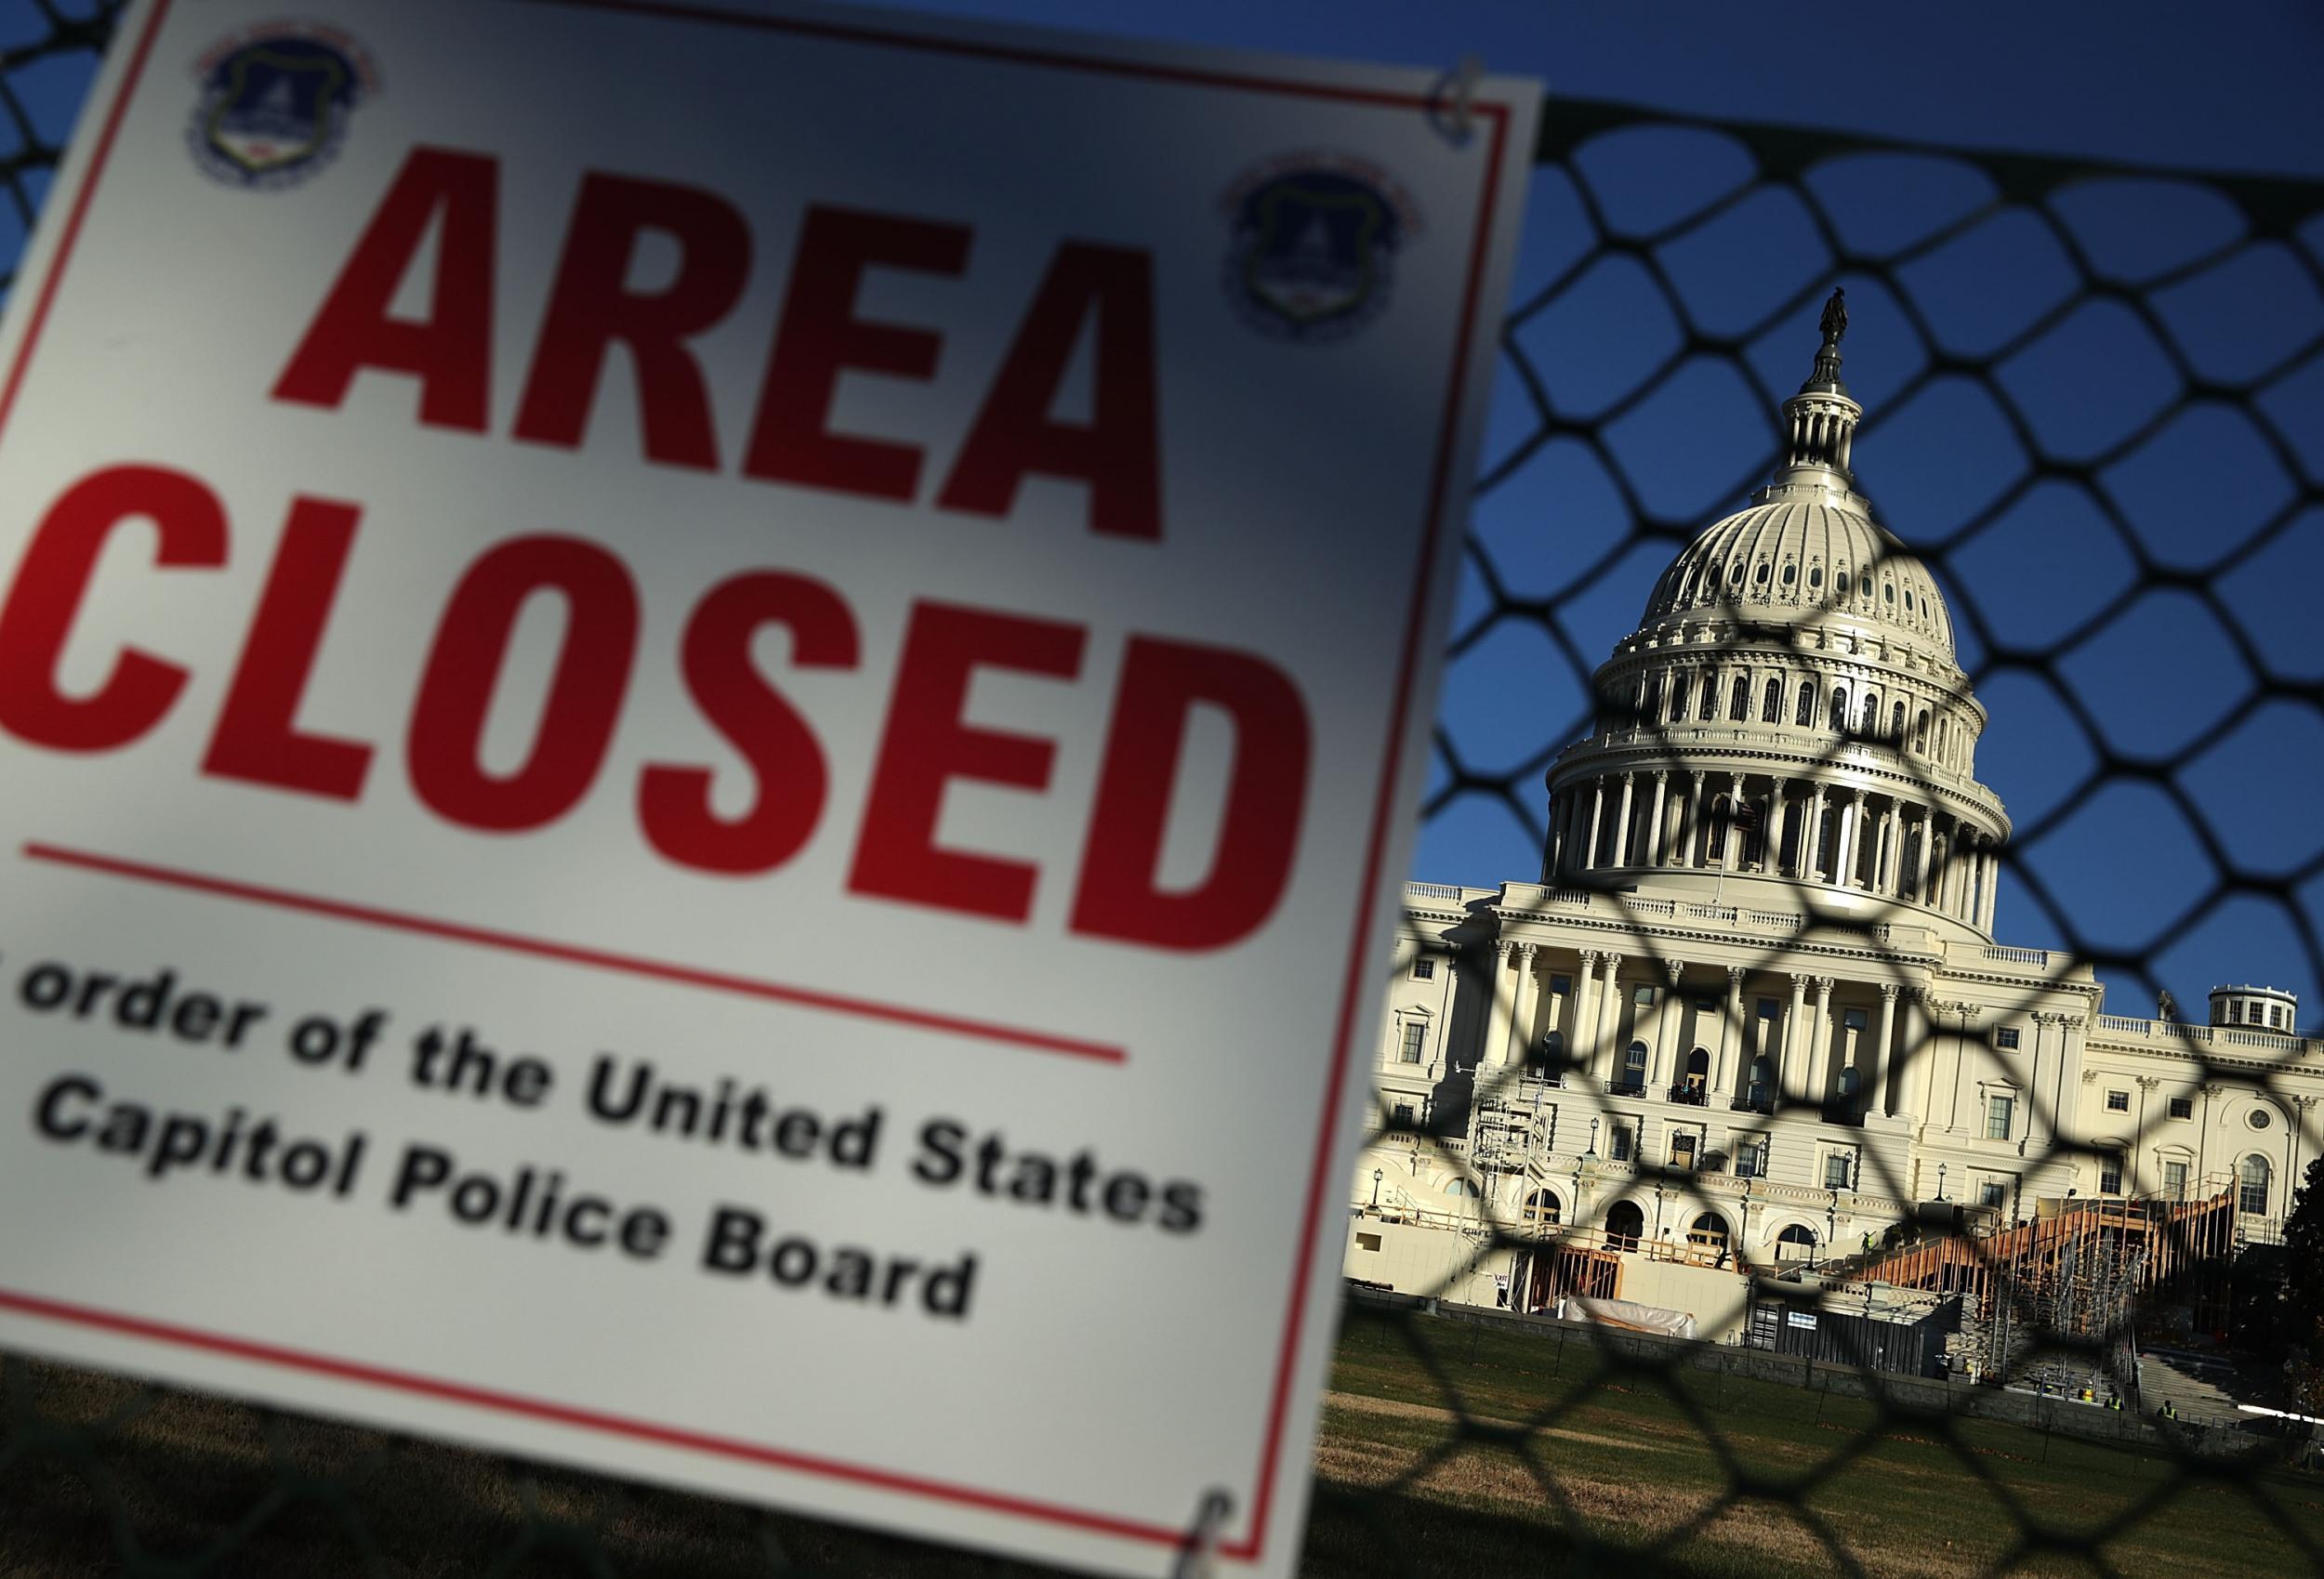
(709, 719)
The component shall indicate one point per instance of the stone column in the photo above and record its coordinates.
(1525, 996)
(1925, 1046)
(1622, 826)
(1788, 1079)
(1874, 1082)
(1778, 815)
(1654, 840)
(1726, 1078)
(1496, 1006)
(1824, 1036)
(1597, 809)
(1885, 857)
(1665, 1072)
(2135, 1179)
(1582, 1053)
(1992, 889)
(1843, 861)
(1926, 828)
(1812, 838)
(1610, 1019)
(1692, 832)
(1732, 844)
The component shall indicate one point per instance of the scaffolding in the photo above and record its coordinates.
(2054, 1300)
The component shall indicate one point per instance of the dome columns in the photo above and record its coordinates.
(1868, 838)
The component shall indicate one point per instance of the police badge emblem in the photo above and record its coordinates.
(1314, 244)
(275, 103)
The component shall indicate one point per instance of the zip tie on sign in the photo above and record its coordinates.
(1448, 103)
(1202, 1541)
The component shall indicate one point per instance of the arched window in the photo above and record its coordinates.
(1463, 1188)
(1840, 583)
(1920, 733)
(1795, 1244)
(1625, 1226)
(1696, 1083)
(1896, 723)
(1634, 1068)
(1815, 576)
(1739, 702)
(1838, 707)
(1806, 714)
(1762, 1094)
(1888, 592)
(2252, 1185)
(1541, 1210)
(1548, 1056)
(1654, 700)
(1791, 574)
(1771, 705)
(1678, 699)
(1709, 1232)
(1759, 576)
(1869, 719)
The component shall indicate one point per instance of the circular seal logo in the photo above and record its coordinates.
(275, 103)
(1315, 244)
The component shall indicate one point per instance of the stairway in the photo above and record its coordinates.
(2205, 1388)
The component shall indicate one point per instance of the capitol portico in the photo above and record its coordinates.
(1753, 1013)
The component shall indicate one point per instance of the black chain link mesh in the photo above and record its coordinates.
(2102, 393)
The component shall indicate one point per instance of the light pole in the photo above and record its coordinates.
(1940, 1181)
(1376, 1175)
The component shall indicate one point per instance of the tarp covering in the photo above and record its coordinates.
(1625, 1313)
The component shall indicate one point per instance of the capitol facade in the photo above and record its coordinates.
(1753, 1015)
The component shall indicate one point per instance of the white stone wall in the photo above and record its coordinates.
(1984, 1074)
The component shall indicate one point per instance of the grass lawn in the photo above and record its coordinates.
(1445, 1451)
(1635, 1471)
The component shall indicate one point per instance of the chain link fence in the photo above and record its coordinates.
(2095, 406)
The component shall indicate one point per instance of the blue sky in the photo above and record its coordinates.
(2209, 684)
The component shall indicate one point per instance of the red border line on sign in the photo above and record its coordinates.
(1247, 1547)
(572, 953)
(588, 1419)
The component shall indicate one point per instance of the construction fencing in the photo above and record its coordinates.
(2096, 400)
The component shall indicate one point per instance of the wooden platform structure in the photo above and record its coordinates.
(2080, 1270)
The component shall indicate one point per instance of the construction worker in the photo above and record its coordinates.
(2170, 1410)
(2114, 1404)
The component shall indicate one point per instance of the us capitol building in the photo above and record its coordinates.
(1753, 1013)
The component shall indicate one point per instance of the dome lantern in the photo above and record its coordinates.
(1821, 419)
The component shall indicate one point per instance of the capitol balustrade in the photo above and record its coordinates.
(1529, 1090)
(2175, 1033)
(1553, 1166)
(1546, 900)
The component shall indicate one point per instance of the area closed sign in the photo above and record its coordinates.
(708, 716)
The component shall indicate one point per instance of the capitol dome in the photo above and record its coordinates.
(1789, 708)
(1798, 555)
